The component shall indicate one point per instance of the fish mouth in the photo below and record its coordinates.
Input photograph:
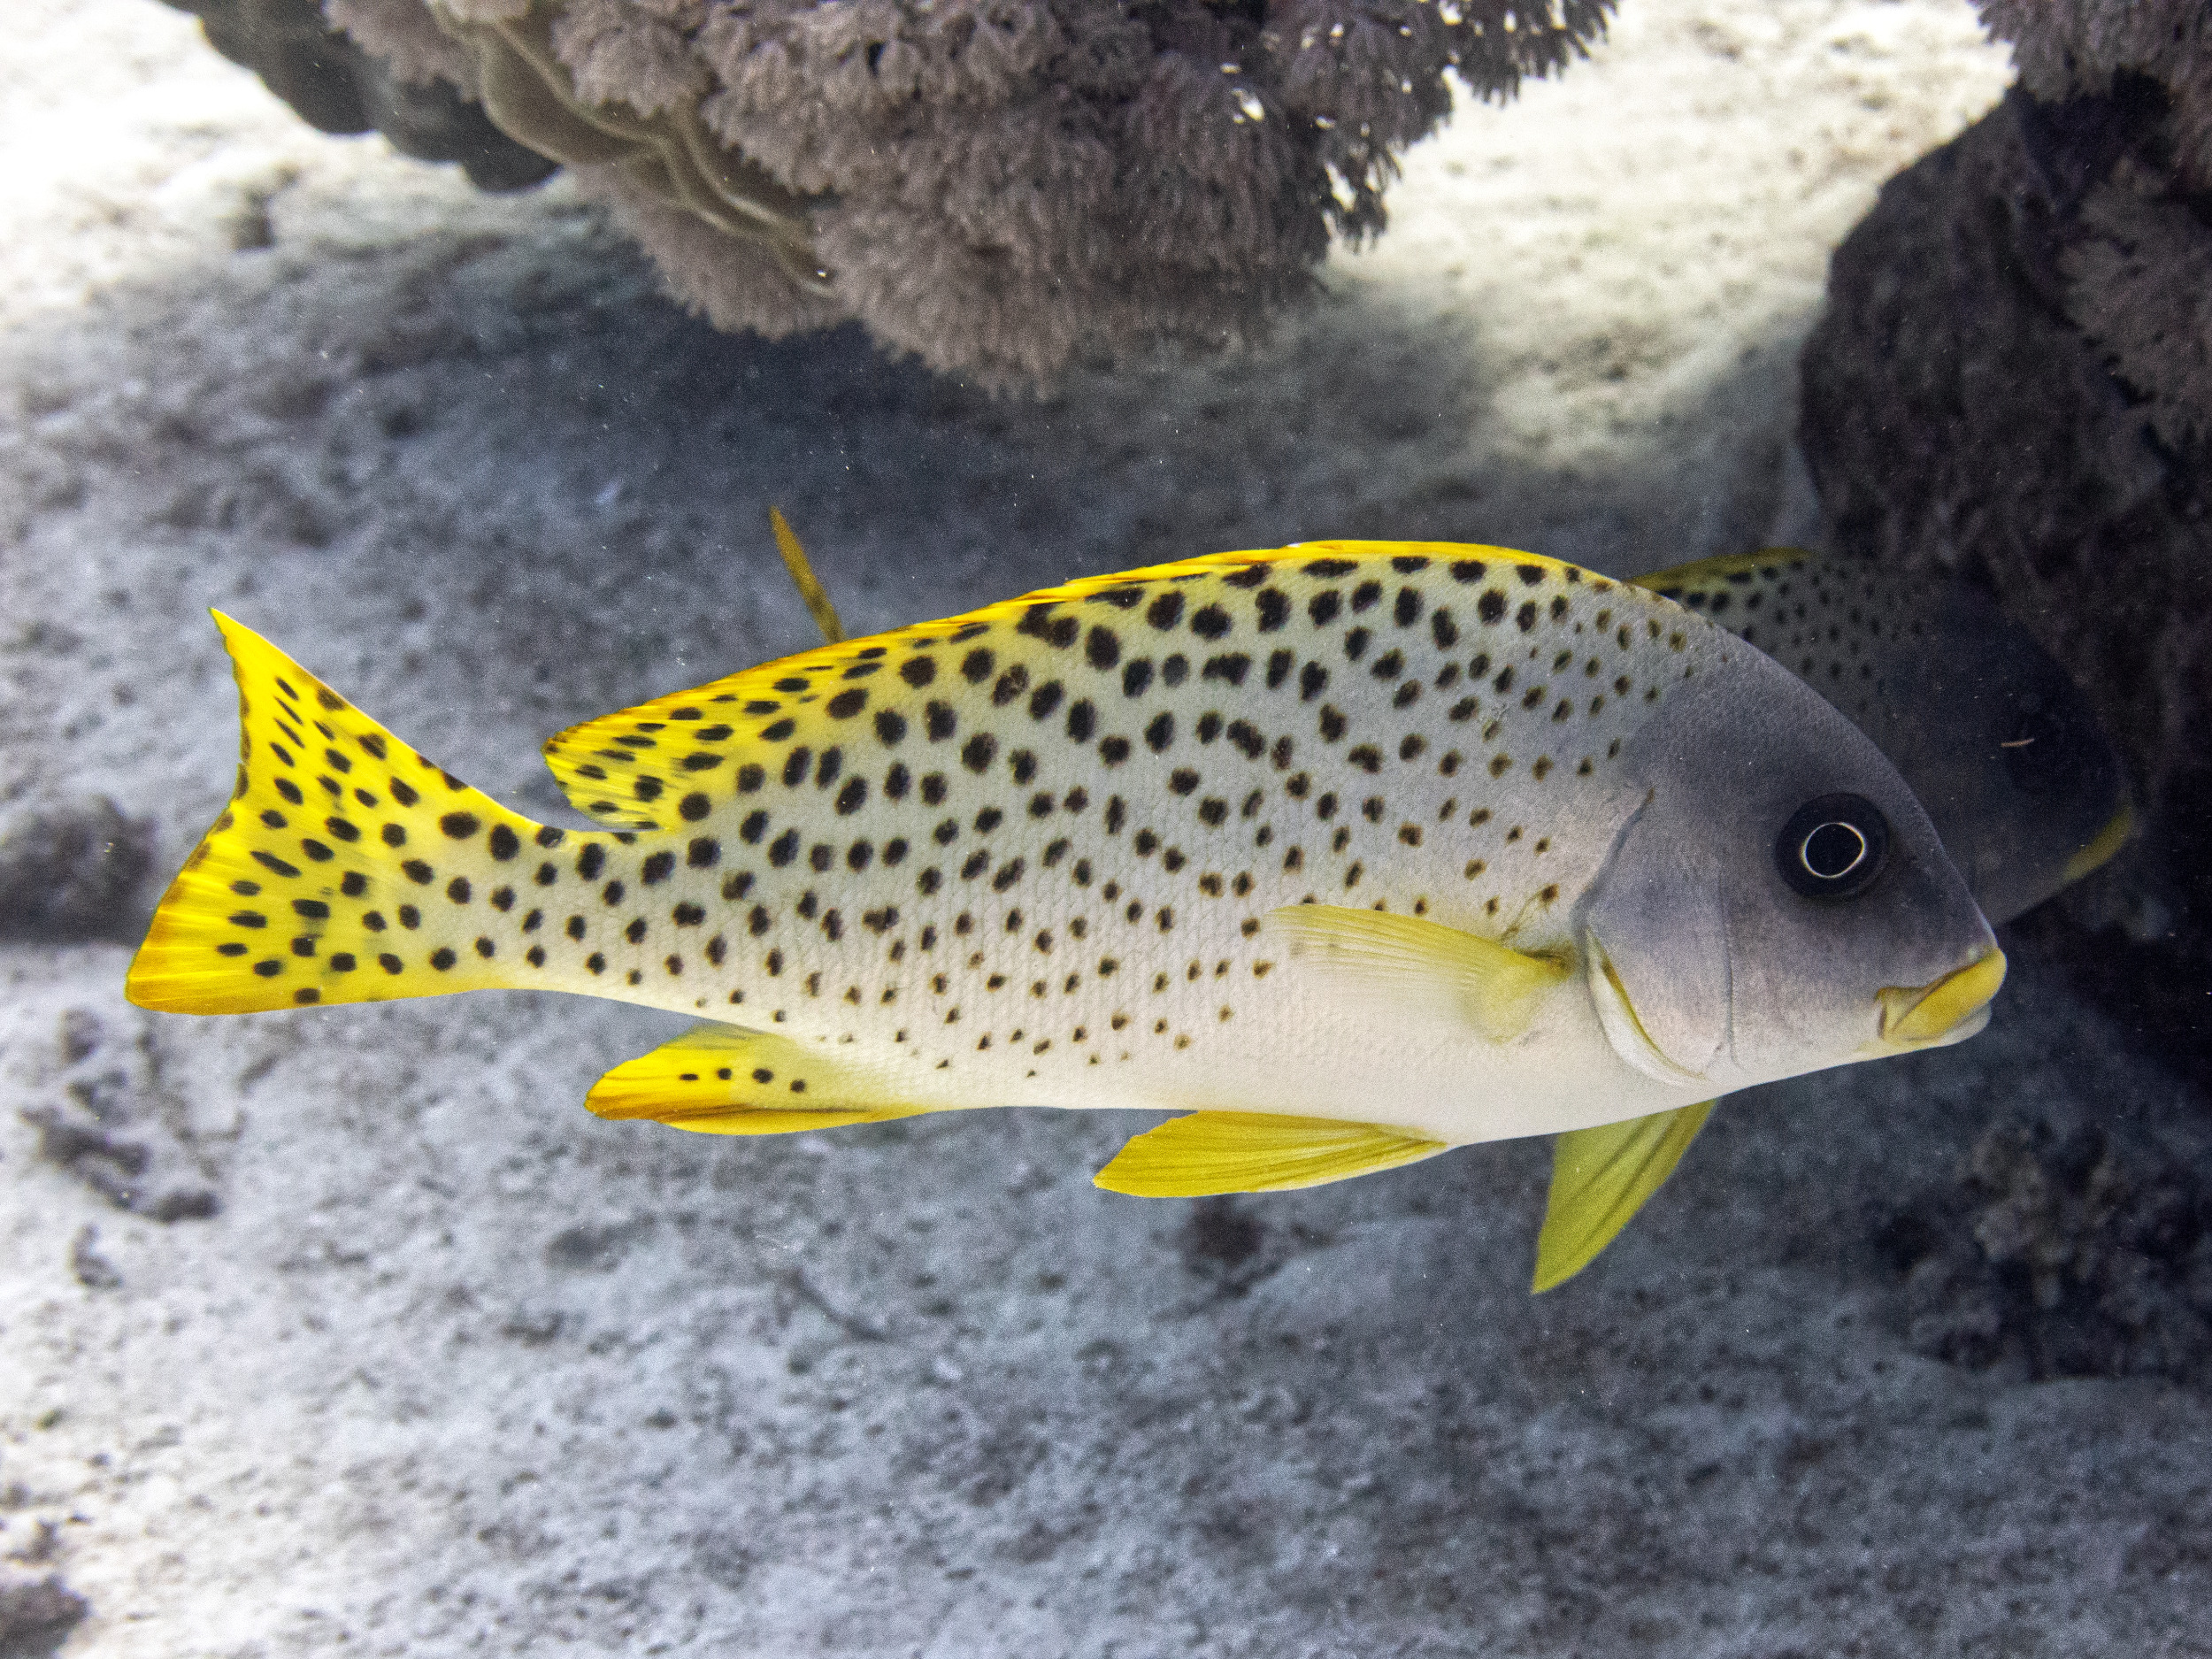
(2106, 842)
(1946, 1010)
(1623, 1028)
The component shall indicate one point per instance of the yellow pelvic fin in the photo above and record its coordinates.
(1407, 959)
(1600, 1179)
(723, 1080)
(346, 868)
(1255, 1152)
(802, 576)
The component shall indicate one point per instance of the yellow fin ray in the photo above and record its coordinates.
(1600, 1179)
(1255, 1152)
(802, 578)
(1404, 960)
(1724, 571)
(332, 875)
(722, 1079)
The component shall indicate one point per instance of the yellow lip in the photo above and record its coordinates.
(2108, 840)
(1914, 1016)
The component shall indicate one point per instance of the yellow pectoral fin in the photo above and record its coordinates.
(1406, 961)
(1255, 1152)
(721, 1080)
(1600, 1179)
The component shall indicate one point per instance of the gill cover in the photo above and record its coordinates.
(1654, 937)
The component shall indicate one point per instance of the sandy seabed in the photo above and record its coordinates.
(453, 1368)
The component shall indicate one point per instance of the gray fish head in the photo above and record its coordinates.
(1779, 902)
(2003, 751)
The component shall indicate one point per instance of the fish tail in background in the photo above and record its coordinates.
(341, 870)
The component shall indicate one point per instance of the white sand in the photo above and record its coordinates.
(458, 1368)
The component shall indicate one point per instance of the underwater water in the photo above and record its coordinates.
(347, 1328)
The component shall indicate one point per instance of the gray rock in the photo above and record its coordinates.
(73, 869)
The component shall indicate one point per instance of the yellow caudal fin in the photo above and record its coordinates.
(1255, 1152)
(723, 1080)
(1600, 1179)
(1405, 961)
(346, 867)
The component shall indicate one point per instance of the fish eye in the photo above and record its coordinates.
(1833, 847)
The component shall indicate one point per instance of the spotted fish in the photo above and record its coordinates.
(1351, 851)
(1998, 744)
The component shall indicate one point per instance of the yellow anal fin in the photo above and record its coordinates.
(1406, 961)
(723, 1080)
(1255, 1152)
(346, 868)
(1600, 1179)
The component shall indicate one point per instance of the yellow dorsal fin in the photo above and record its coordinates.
(346, 867)
(1255, 1152)
(723, 1080)
(1408, 960)
(803, 577)
(1714, 575)
(1600, 1179)
(682, 758)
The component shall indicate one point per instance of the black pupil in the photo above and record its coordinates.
(1833, 847)
(1834, 850)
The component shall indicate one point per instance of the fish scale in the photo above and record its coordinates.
(1038, 843)
(1022, 855)
(1829, 621)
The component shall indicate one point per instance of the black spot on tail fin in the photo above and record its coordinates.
(340, 870)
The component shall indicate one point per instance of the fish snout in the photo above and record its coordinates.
(1945, 1010)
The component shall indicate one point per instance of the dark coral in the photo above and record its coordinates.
(2007, 384)
(2075, 1254)
(36, 1618)
(72, 870)
(1001, 187)
(336, 87)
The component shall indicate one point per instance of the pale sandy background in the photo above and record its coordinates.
(457, 1369)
